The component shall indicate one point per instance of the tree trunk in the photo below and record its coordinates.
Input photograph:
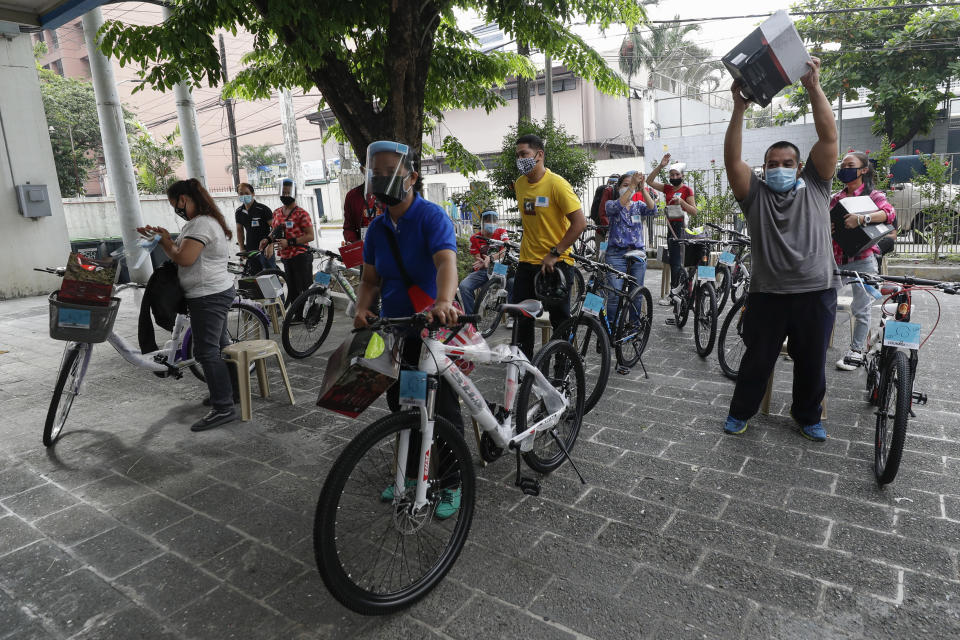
(633, 138)
(523, 88)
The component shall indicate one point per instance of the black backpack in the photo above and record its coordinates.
(595, 207)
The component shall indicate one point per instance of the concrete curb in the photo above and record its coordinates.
(948, 272)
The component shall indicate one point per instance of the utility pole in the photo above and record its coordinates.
(291, 142)
(73, 156)
(548, 78)
(187, 118)
(231, 124)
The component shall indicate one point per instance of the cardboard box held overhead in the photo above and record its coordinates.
(769, 59)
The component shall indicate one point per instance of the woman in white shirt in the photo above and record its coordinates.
(201, 253)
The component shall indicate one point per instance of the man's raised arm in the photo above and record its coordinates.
(824, 152)
(738, 171)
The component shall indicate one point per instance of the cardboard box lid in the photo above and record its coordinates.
(785, 42)
(857, 204)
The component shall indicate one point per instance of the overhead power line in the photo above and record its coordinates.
(925, 5)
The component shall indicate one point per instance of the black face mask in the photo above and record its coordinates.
(676, 181)
(388, 190)
(287, 200)
(181, 212)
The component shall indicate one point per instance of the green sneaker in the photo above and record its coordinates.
(387, 494)
(449, 504)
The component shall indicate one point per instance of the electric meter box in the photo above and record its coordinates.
(34, 200)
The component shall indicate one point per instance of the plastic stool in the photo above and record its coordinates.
(242, 355)
(765, 403)
(546, 329)
(273, 307)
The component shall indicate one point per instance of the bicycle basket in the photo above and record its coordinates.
(81, 322)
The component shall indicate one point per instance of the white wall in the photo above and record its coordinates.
(26, 156)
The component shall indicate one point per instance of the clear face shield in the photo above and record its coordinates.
(388, 178)
(288, 191)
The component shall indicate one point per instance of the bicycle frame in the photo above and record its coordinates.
(879, 354)
(435, 361)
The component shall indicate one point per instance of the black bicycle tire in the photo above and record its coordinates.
(565, 331)
(487, 331)
(726, 366)
(332, 572)
(705, 294)
(722, 286)
(578, 288)
(885, 472)
(288, 319)
(533, 460)
(680, 317)
(623, 313)
(71, 358)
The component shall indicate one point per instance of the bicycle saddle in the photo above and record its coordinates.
(528, 308)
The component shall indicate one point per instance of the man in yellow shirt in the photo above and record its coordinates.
(552, 219)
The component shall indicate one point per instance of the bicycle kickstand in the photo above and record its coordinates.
(529, 486)
(642, 366)
(566, 454)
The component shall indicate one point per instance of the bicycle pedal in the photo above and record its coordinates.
(622, 370)
(671, 321)
(529, 486)
(919, 397)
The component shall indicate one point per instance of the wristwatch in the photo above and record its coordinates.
(292, 241)
(554, 252)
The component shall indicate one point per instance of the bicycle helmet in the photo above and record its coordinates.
(551, 288)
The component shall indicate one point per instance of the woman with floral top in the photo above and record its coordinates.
(626, 231)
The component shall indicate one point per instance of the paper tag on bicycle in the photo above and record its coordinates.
(593, 304)
(73, 318)
(707, 274)
(603, 247)
(322, 278)
(413, 388)
(727, 258)
(499, 269)
(902, 334)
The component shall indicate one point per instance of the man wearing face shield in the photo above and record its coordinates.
(792, 291)
(409, 259)
(292, 232)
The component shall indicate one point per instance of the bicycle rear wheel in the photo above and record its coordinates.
(561, 365)
(895, 396)
(375, 554)
(722, 286)
(731, 347)
(682, 302)
(633, 326)
(72, 367)
(307, 323)
(490, 296)
(705, 318)
(590, 339)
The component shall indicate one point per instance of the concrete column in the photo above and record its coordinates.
(116, 151)
(189, 135)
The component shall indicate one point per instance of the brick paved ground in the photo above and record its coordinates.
(134, 527)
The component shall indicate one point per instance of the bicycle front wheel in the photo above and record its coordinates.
(307, 323)
(895, 396)
(65, 391)
(633, 326)
(722, 286)
(591, 341)
(705, 319)
(375, 553)
(561, 365)
(731, 347)
(488, 299)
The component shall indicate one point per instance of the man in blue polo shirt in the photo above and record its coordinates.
(421, 235)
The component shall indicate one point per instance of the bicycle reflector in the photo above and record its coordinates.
(903, 309)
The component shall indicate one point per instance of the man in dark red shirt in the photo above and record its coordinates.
(358, 212)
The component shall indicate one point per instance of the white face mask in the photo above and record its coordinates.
(623, 190)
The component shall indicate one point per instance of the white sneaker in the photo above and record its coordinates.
(850, 361)
(665, 302)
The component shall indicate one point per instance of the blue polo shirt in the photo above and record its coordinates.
(422, 231)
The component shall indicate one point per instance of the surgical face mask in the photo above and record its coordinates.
(287, 200)
(246, 199)
(676, 181)
(489, 227)
(389, 190)
(526, 165)
(623, 190)
(781, 179)
(847, 174)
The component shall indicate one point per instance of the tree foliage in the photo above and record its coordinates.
(253, 156)
(561, 156)
(941, 201)
(904, 57)
(155, 160)
(380, 65)
(666, 50)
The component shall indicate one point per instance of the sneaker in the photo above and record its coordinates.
(665, 302)
(387, 494)
(214, 418)
(449, 504)
(850, 360)
(734, 426)
(677, 290)
(814, 432)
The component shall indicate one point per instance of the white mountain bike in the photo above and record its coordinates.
(395, 509)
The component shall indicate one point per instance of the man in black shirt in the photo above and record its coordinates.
(253, 224)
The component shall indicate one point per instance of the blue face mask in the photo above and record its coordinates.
(489, 228)
(781, 179)
(246, 199)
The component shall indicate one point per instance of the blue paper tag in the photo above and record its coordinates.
(499, 269)
(322, 278)
(635, 219)
(603, 246)
(902, 334)
(74, 318)
(707, 274)
(727, 258)
(413, 388)
(593, 304)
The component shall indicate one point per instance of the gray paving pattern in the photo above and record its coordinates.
(134, 527)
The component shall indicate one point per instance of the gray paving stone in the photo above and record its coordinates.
(291, 492)
(13, 617)
(306, 601)
(484, 617)
(166, 584)
(242, 472)
(717, 534)
(258, 449)
(223, 502)
(15, 533)
(595, 615)
(133, 622)
(894, 549)
(650, 466)
(650, 549)
(791, 524)
(892, 495)
(630, 510)
(74, 524)
(273, 525)
(742, 487)
(806, 478)
(150, 513)
(767, 622)
(28, 570)
(74, 601)
(938, 531)
(671, 494)
(224, 613)
(198, 538)
(39, 501)
(442, 604)
(15, 479)
(116, 551)
(763, 584)
(527, 578)
(591, 566)
(110, 491)
(399, 627)
(951, 505)
(838, 567)
(255, 569)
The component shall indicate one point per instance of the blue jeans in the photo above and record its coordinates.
(471, 284)
(617, 258)
(862, 301)
(208, 326)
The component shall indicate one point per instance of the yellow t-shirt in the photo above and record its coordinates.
(544, 207)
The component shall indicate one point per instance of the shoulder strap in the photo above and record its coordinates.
(395, 250)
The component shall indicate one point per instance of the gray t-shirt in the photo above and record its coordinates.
(791, 248)
(209, 273)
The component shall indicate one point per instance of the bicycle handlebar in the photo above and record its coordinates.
(731, 232)
(951, 288)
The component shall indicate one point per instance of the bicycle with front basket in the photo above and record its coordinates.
(733, 266)
(379, 550)
(697, 292)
